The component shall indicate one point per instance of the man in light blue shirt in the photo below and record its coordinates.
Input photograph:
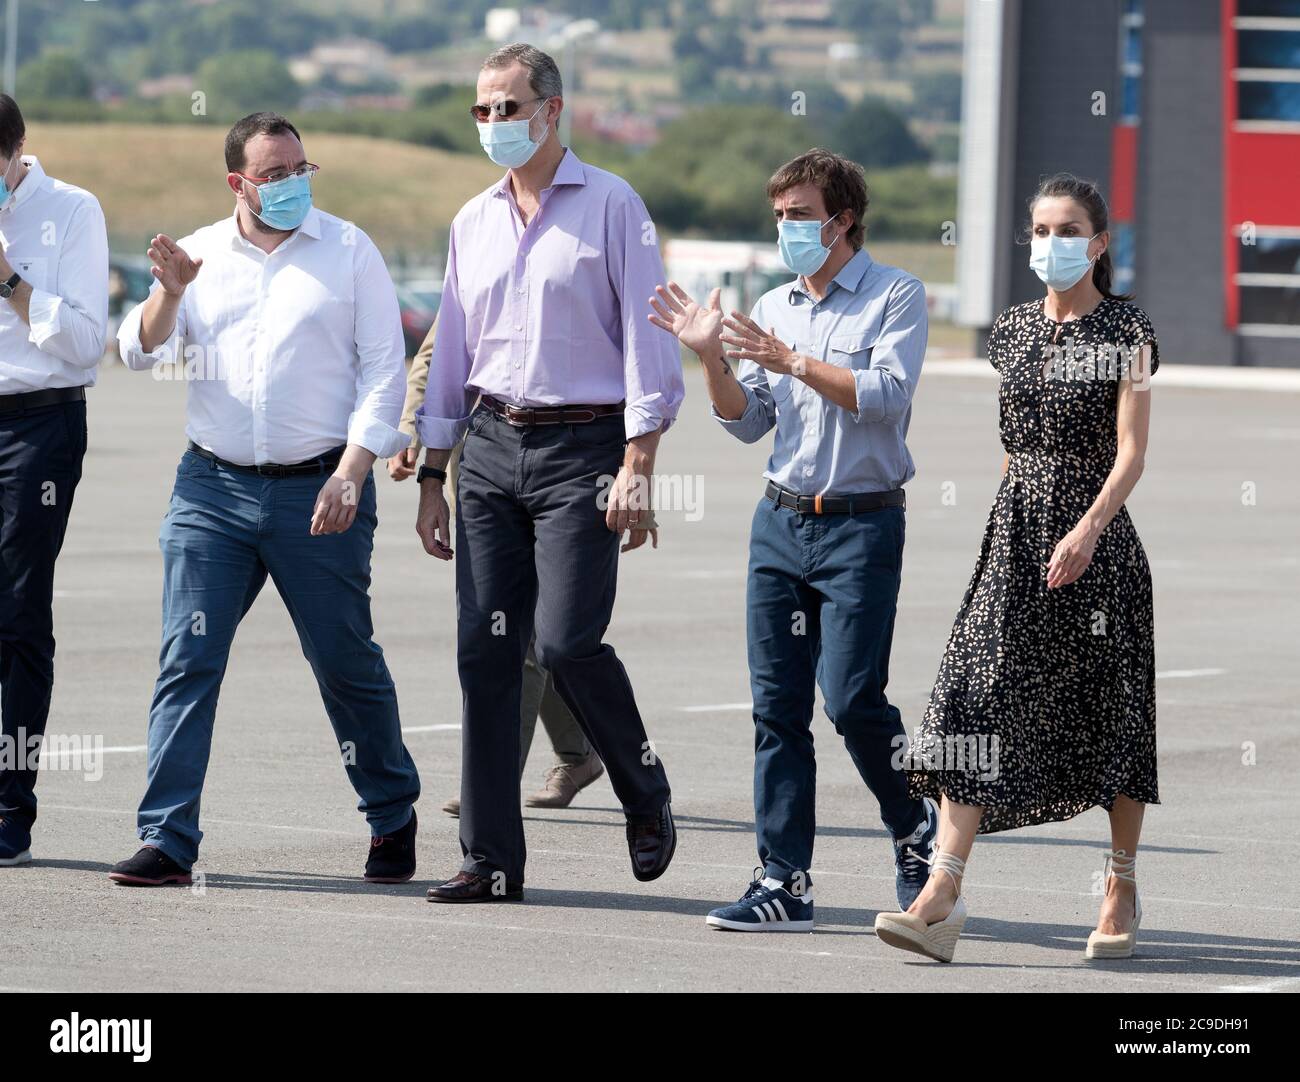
(831, 361)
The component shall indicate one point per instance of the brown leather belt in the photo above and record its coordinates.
(524, 416)
(13, 404)
(835, 505)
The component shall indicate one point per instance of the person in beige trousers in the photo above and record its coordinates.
(576, 763)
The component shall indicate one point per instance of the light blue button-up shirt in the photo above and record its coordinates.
(872, 320)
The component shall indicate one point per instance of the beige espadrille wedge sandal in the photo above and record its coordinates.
(1119, 865)
(910, 933)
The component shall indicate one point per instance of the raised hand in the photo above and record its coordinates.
(172, 266)
(696, 326)
(749, 342)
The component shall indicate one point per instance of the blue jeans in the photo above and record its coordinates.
(822, 594)
(224, 532)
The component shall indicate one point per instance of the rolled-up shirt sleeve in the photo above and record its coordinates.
(381, 356)
(71, 322)
(441, 421)
(132, 351)
(760, 408)
(885, 389)
(652, 359)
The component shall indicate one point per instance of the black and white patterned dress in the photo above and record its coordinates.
(1045, 701)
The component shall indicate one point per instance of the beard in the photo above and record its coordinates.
(266, 230)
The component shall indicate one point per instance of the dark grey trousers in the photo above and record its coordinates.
(533, 556)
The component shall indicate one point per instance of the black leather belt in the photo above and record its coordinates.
(326, 463)
(835, 505)
(524, 416)
(12, 404)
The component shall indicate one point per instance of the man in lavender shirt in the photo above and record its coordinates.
(541, 323)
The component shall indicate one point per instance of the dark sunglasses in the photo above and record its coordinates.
(505, 108)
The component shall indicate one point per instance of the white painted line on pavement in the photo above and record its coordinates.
(1178, 674)
(716, 706)
(121, 749)
(71, 753)
(1277, 984)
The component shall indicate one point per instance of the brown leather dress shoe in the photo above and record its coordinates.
(452, 807)
(564, 781)
(651, 842)
(469, 887)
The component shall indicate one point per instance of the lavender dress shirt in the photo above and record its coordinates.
(552, 313)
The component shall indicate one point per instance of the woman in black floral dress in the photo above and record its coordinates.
(1045, 702)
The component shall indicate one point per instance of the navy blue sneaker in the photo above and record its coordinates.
(15, 843)
(913, 854)
(766, 909)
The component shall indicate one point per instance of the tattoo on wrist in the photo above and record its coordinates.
(799, 366)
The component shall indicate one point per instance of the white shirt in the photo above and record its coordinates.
(286, 355)
(53, 235)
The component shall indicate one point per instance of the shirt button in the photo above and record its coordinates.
(807, 471)
(519, 326)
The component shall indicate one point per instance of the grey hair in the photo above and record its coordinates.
(543, 75)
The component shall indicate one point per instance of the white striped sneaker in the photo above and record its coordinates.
(767, 906)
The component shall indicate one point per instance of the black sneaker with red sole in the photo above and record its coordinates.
(150, 867)
(392, 856)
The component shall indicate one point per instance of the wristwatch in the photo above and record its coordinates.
(429, 471)
(7, 288)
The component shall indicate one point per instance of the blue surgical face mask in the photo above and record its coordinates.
(508, 142)
(285, 203)
(800, 244)
(5, 190)
(1059, 261)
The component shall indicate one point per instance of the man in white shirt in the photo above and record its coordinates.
(294, 360)
(53, 323)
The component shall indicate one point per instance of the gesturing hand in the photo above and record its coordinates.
(171, 265)
(697, 327)
(751, 343)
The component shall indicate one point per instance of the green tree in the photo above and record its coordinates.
(883, 26)
(938, 95)
(708, 173)
(246, 81)
(54, 77)
(874, 134)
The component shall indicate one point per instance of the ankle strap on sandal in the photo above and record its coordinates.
(1120, 865)
(950, 863)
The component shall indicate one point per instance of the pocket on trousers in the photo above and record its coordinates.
(74, 421)
(192, 465)
(605, 434)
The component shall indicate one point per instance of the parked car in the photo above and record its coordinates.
(419, 301)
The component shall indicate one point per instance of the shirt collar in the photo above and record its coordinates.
(849, 277)
(311, 226)
(33, 182)
(569, 171)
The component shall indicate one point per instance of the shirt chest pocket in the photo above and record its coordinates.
(35, 271)
(851, 350)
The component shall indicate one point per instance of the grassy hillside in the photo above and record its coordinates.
(171, 179)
